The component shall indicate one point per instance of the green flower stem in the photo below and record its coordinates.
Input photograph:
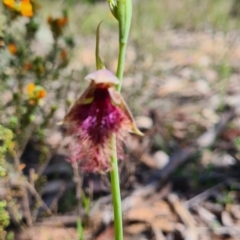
(124, 15)
(121, 61)
(116, 194)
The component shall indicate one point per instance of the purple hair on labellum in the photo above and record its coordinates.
(96, 116)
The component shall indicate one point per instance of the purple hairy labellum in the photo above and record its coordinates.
(96, 116)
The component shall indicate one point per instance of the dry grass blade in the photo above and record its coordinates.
(191, 232)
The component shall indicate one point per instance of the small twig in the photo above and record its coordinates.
(44, 206)
(26, 185)
(65, 220)
(54, 204)
(47, 160)
(25, 199)
(208, 138)
(27, 212)
(32, 176)
(158, 233)
(37, 196)
(232, 231)
(78, 183)
(203, 196)
(185, 216)
(27, 133)
(206, 216)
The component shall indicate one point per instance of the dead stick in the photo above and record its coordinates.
(182, 156)
(38, 198)
(185, 216)
(203, 196)
(25, 199)
(44, 206)
(78, 183)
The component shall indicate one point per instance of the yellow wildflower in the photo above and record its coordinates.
(25, 8)
(9, 3)
(30, 88)
(35, 93)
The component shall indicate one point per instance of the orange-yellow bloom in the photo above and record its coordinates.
(9, 3)
(41, 93)
(57, 25)
(35, 93)
(30, 88)
(26, 8)
(58, 22)
(61, 22)
(12, 48)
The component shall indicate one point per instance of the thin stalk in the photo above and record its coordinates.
(77, 180)
(124, 22)
(116, 194)
(121, 62)
(124, 14)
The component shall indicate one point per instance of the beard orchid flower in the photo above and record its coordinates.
(98, 114)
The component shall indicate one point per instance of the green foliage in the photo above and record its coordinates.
(10, 236)
(225, 71)
(237, 143)
(79, 229)
(6, 145)
(227, 198)
(86, 201)
(4, 217)
(35, 54)
(30, 68)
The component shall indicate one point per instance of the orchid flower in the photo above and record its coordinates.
(98, 114)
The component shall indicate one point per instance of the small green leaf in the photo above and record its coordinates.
(79, 229)
(99, 63)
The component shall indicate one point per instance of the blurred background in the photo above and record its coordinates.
(182, 83)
